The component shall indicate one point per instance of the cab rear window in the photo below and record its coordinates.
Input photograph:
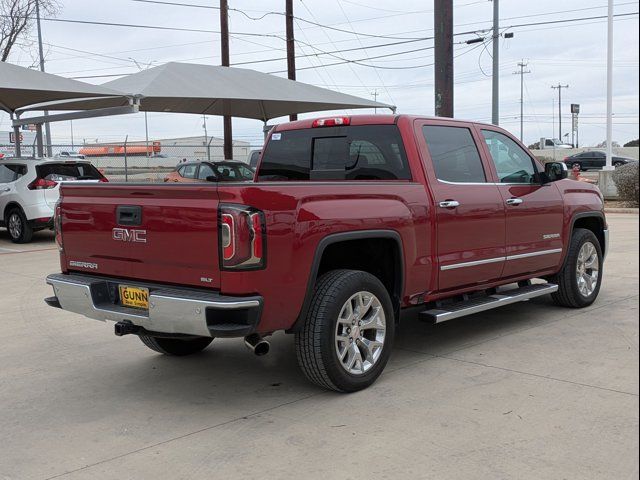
(364, 152)
(59, 172)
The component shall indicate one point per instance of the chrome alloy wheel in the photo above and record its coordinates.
(360, 333)
(14, 225)
(587, 269)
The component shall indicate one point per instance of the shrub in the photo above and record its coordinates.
(626, 180)
(633, 143)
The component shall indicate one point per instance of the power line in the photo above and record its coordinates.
(347, 50)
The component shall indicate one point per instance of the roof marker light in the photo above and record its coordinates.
(331, 122)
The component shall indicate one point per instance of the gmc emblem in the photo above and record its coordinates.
(129, 235)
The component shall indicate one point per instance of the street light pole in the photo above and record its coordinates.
(609, 163)
(47, 127)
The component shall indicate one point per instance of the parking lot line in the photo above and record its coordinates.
(9, 251)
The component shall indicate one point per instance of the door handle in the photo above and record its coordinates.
(514, 201)
(449, 204)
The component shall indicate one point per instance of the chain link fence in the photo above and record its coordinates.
(137, 162)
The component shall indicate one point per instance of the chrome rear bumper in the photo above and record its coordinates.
(172, 310)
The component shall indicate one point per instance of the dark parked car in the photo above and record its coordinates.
(594, 159)
(226, 171)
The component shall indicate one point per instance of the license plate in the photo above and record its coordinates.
(136, 297)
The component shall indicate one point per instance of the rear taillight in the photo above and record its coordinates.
(331, 122)
(57, 224)
(242, 237)
(41, 184)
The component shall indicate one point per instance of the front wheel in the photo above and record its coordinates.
(618, 164)
(577, 165)
(347, 337)
(176, 346)
(580, 279)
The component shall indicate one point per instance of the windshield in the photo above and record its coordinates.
(60, 172)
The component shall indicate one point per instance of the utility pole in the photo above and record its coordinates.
(559, 88)
(224, 46)
(47, 127)
(374, 94)
(609, 165)
(443, 44)
(495, 77)
(291, 48)
(522, 71)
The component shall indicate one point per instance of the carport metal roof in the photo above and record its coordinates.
(213, 90)
(21, 87)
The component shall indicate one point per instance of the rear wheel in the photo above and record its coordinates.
(580, 279)
(18, 227)
(577, 165)
(176, 346)
(618, 164)
(346, 339)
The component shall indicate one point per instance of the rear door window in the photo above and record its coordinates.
(454, 154)
(60, 172)
(365, 152)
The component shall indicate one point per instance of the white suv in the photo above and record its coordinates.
(30, 188)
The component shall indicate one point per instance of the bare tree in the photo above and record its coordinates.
(17, 18)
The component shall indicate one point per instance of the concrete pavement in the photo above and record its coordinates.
(526, 391)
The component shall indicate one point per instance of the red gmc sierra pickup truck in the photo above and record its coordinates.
(349, 224)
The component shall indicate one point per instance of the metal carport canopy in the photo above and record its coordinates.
(21, 87)
(212, 90)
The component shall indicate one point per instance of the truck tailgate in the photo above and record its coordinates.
(164, 233)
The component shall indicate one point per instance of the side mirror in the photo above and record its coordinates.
(555, 171)
(211, 178)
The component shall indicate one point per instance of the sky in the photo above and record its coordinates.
(566, 53)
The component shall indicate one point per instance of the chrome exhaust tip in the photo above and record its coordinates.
(258, 345)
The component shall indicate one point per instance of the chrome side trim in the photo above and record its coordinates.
(500, 259)
(472, 264)
(533, 254)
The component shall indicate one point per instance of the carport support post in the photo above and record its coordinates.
(39, 141)
(16, 138)
(126, 160)
(224, 46)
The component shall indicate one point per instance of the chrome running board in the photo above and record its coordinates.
(481, 304)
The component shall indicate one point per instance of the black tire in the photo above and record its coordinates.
(568, 294)
(618, 164)
(22, 233)
(315, 342)
(578, 164)
(176, 346)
